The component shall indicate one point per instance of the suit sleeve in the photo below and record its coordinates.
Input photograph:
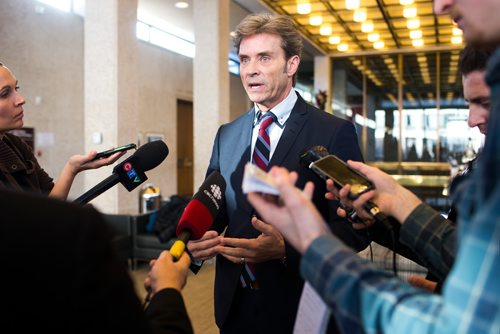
(220, 222)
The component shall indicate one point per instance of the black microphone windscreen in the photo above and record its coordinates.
(312, 155)
(211, 192)
(151, 154)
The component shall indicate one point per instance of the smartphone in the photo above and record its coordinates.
(334, 168)
(105, 154)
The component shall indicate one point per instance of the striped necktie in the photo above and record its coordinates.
(260, 157)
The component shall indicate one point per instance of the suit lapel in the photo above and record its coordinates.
(294, 125)
(242, 145)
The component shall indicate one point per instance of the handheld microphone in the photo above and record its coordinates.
(130, 172)
(200, 212)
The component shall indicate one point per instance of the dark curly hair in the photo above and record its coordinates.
(473, 59)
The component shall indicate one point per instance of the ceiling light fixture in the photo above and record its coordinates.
(415, 34)
(359, 15)
(315, 20)
(367, 26)
(378, 45)
(334, 40)
(373, 37)
(343, 47)
(457, 31)
(417, 42)
(351, 4)
(456, 40)
(303, 7)
(325, 30)
(181, 4)
(413, 24)
(410, 12)
(405, 2)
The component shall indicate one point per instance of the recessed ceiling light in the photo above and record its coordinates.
(457, 31)
(181, 4)
(415, 34)
(417, 42)
(303, 7)
(367, 26)
(325, 30)
(413, 24)
(456, 40)
(359, 15)
(334, 40)
(351, 4)
(315, 20)
(410, 12)
(343, 47)
(378, 45)
(373, 37)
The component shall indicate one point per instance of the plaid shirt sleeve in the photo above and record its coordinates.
(368, 300)
(432, 237)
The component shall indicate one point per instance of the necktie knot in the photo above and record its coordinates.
(267, 120)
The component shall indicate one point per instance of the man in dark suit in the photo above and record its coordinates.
(60, 274)
(257, 283)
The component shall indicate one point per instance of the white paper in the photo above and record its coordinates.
(313, 313)
(256, 180)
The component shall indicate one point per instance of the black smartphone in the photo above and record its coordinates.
(105, 154)
(334, 168)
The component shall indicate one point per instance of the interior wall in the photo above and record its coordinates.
(45, 52)
(164, 77)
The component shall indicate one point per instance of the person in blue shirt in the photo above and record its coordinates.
(367, 299)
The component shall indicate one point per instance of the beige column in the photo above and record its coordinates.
(110, 98)
(211, 79)
(323, 78)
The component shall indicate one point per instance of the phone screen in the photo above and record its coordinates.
(334, 168)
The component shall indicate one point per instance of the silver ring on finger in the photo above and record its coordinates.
(242, 260)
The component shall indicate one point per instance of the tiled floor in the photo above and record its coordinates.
(198, 296)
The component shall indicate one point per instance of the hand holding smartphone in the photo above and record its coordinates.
(105, 154)
(332, 167)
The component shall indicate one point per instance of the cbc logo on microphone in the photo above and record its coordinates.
(216, 191)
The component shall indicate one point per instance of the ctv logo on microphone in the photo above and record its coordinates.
(132, 175)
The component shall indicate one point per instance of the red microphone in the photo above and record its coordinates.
(200, 212)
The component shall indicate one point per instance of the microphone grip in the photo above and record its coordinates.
(176, 250)
(101, 187)
(179, 245)
(379, 216)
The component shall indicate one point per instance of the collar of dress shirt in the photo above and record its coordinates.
(282, 110)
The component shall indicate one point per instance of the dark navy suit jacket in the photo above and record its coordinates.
(282, 285)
